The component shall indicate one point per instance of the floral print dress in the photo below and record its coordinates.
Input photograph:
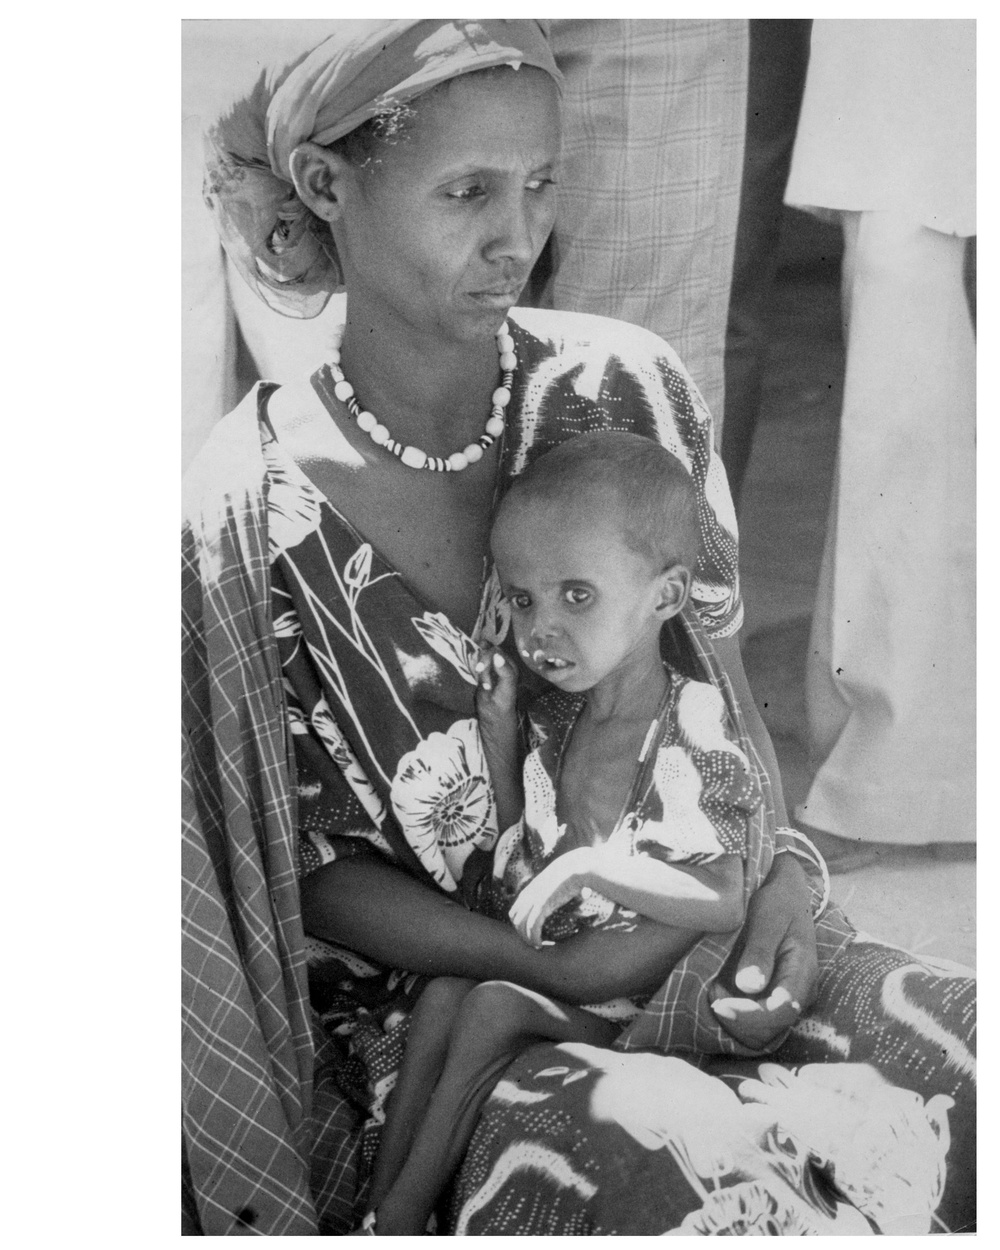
(329, 711)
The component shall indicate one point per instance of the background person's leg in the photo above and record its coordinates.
(891, 683)
(779, 54)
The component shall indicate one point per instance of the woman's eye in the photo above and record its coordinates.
(519, 602)
(539, 184)
(464, 194)
(577, 595)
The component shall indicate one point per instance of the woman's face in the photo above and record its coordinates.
(441, 233)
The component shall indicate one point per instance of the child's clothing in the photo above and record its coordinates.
(691, 797)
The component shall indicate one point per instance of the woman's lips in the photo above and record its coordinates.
(498, 297)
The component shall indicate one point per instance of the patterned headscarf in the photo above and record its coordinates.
(362, 69)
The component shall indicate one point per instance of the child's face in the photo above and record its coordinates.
(585, 607)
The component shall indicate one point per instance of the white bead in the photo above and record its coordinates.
(414, 457)
(495, 426)
(505, 343)
(343, 390)
(367, 421)
(504, 329)
(472, 453)
(379, 435)
(457, 460)
(336, 374)
(334, 355)
(501, 397)
(508, 361)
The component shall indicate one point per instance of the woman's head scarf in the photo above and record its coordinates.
(321, 93)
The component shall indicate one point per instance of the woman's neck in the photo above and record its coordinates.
(430, 392)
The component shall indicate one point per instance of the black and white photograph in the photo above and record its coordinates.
(579, 626)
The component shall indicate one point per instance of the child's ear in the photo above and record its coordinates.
(674, 587)
(319, 176)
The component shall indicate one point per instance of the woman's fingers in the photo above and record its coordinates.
(796, 969)
(764, 931)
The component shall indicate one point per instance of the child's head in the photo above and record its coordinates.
(595, 546)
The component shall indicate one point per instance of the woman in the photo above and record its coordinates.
(335, 590)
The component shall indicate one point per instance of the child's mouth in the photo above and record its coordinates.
(550, 664)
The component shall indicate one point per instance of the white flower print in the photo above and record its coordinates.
(323, 722)
(494, 614)
(701, 713)
(450, 643)
(296, 720)
(884, 1147)
(443, 800)
(293, 503)
(747, 1210)
(287, 625)
(358, 570)
(688, 831)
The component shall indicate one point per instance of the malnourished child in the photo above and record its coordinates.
(632, 800)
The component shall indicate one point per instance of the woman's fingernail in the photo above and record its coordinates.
(751, 980)
(796, 1006)
(725, 1012)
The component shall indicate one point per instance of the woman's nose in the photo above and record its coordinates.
(519, 231)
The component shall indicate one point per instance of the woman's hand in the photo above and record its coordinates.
(555, 885)
(775, 963)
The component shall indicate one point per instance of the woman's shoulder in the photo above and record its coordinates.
(587, 335)
(229, 464)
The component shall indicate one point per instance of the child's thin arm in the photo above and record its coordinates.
(496, 707)
(707, 898)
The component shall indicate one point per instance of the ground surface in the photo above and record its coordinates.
(920, 902)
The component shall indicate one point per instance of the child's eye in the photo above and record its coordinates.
(519, 602)
(540, 184)
(577, 595)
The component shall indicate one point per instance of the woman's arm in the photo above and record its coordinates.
(775, 960)
(383, 913)
(705, 899)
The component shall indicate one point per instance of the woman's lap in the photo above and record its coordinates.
(579, 1141)
(875, 1089)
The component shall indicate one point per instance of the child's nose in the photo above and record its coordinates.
(544, 624)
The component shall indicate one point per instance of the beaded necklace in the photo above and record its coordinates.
(413, 457)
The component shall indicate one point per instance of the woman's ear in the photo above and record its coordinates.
(320, 178)
(673, 591)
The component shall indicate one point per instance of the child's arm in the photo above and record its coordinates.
(707, 898)
(496, 707)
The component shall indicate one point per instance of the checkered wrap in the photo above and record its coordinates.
(253, 1125)
(649, 183)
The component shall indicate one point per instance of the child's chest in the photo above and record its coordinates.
(596, 781)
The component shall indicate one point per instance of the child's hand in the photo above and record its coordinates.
(496, 694)
(559, 882)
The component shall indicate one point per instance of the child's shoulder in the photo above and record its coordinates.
(696, 707)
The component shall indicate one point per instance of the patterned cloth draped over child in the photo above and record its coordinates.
(693, 798)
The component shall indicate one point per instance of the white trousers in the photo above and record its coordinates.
(890, 683)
